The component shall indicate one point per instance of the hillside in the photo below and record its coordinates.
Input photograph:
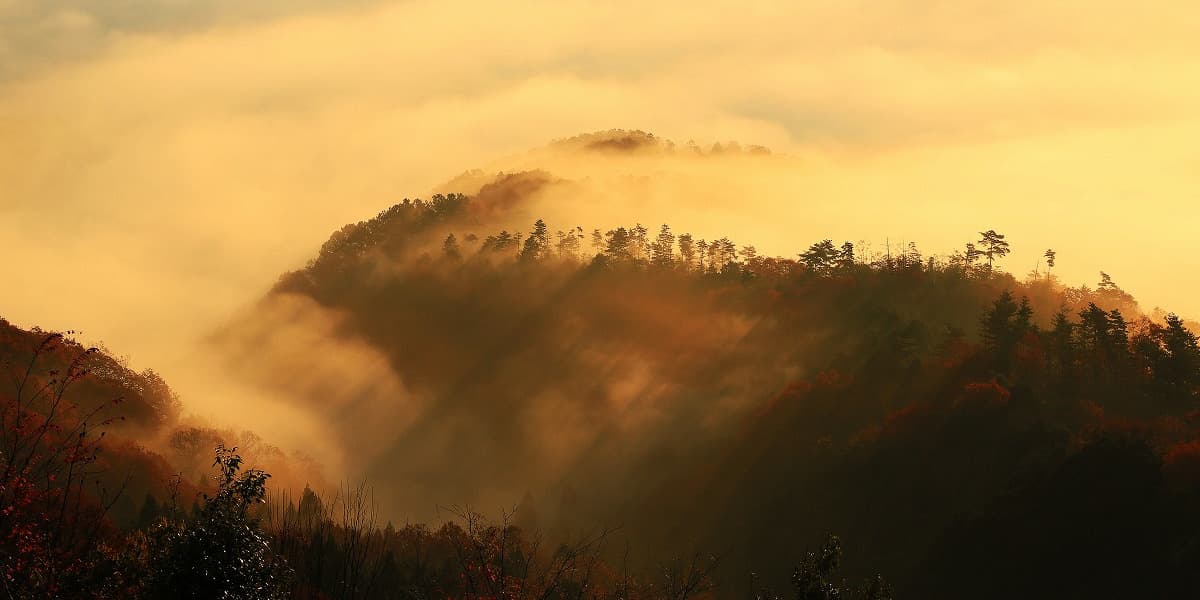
(958, 427)
(563, 409)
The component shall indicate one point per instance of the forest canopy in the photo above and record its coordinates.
(561, 410)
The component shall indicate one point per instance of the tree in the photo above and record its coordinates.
(1092, 331)
(537, 245)
(1183, 353)
(722, 254)
(450, 248)
(569, 243)
(971, 255)
(749, 254)
(51, 529)
(1103, 339)
(1062, 342)
(500, 242)
(1118, 329)
(1002, 328)
(821, 257)
(994, 246)
(1049, 255)
(618, 244)
(1106, 284)
(638, 242)
(814, 576)
(687, 251)
(911, 256)
(663, 249)
(597, 241)
(223, 552)
(1024, 318)
(845, 260)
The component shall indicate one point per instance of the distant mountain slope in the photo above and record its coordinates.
(701, 393)
(141, 439)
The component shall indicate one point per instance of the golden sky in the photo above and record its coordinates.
(162, 162)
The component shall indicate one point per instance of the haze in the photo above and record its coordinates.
(162, 164)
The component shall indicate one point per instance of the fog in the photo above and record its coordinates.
(161, 165)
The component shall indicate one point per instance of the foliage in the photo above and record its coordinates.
(965, 432)
(222, 552)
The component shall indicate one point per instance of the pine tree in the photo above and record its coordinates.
(687, 251)
(638, 242)
(821, 257)
(995, 246)
(749, 254)
(726, 254)
(597, 241)
(663, 254)
(971, 255)
(1000, 330)
(1107, 286)
(1183, 363)
(912, 256)
(569, 243)
(537, 245)
(618, 244)
(450, 248)
(1062, 342)
(845, 260)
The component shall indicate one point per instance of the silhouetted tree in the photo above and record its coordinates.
(749, 254)
(1182, 366)
(687, 251)
(1106, 283)
(994, 246)
(450, 248)
(663, 249)
(1002, 328)
(619, 245)
(222, 553)
(970, 256)
(569, 242)
(638, 242)
(845, 260)
(821, 257)
(537, 245)
(912, 256)
(1062, 343)
(500, 242)
(814, 576)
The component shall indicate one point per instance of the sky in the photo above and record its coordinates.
(161, 163)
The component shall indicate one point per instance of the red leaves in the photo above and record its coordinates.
(828, 380)
(984, 394)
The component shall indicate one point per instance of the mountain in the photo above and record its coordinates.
(965, 432)
(559, 408)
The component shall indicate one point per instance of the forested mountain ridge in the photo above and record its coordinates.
(704, 395)
(640, 412)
